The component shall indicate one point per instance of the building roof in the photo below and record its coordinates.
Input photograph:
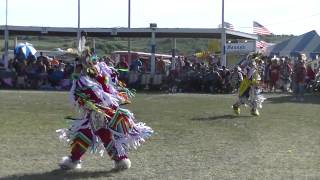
(308, 43)
(126, 32)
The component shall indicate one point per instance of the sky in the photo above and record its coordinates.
(279, 16)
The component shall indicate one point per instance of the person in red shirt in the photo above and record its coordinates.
(122, 64)
(123, 68)
(274, 74)
(310, 74)
(299, 76)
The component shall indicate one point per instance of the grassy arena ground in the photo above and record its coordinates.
(196, 137)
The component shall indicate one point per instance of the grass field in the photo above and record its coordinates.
(196, 137)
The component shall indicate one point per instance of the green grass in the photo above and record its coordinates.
(196, 137)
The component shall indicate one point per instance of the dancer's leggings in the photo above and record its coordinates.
(244, 98)
(84, 139)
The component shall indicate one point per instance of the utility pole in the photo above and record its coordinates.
(78, 31)
(223, 58)
(173, 52)
(129, 26)
(153, 27)
(6, 41)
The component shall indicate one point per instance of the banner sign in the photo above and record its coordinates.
(240, 47)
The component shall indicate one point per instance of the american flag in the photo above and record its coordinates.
(261, 44)
(259, 29)
(228, 25)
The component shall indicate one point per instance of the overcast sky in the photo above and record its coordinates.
(279, 16)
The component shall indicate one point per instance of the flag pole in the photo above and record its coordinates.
(78, 30)
(129, 26)
(223, 39)
(6, 42)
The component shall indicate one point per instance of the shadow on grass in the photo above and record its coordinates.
(307, 99)
(61, 174)
(222, 117)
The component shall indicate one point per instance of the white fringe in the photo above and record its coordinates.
(123, 143)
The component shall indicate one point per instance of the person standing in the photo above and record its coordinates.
(299, 76)
(274, 74)
(285, 74)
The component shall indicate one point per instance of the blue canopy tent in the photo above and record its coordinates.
(308, 43)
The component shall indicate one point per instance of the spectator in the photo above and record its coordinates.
(56, 76)
(266, 77)
(299, 75)
(179, 64)
(54, 61)
(285, 74)
(135, 65)
(236, 78)
(217, 80)
(31, 58)
(43, 58)
(19, 55)
(160, 66)
(123, 67)
(274, 74)
(41, 72)
(310, 74)
(31, 74)
(122, 64)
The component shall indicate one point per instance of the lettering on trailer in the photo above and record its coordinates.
(240, 47)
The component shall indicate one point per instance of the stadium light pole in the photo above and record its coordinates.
(129, 26)
(6, 41)
(78, 30)
(173, 53)
(153, 27)
(223, 39)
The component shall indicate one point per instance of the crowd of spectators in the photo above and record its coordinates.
(185, 75)
(181, 75)
(278, 74)
(290, 75)
(40, 72)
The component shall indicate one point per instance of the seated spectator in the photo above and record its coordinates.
(19, 55)
(135, 65)
(43, 58)
(123, 67)
(20, 69)
(54, 61)
(41, 72)
(160, 66)
(56, 76)
(31, 74)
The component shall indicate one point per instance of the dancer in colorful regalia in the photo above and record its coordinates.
(249, 91)
(103, 125)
